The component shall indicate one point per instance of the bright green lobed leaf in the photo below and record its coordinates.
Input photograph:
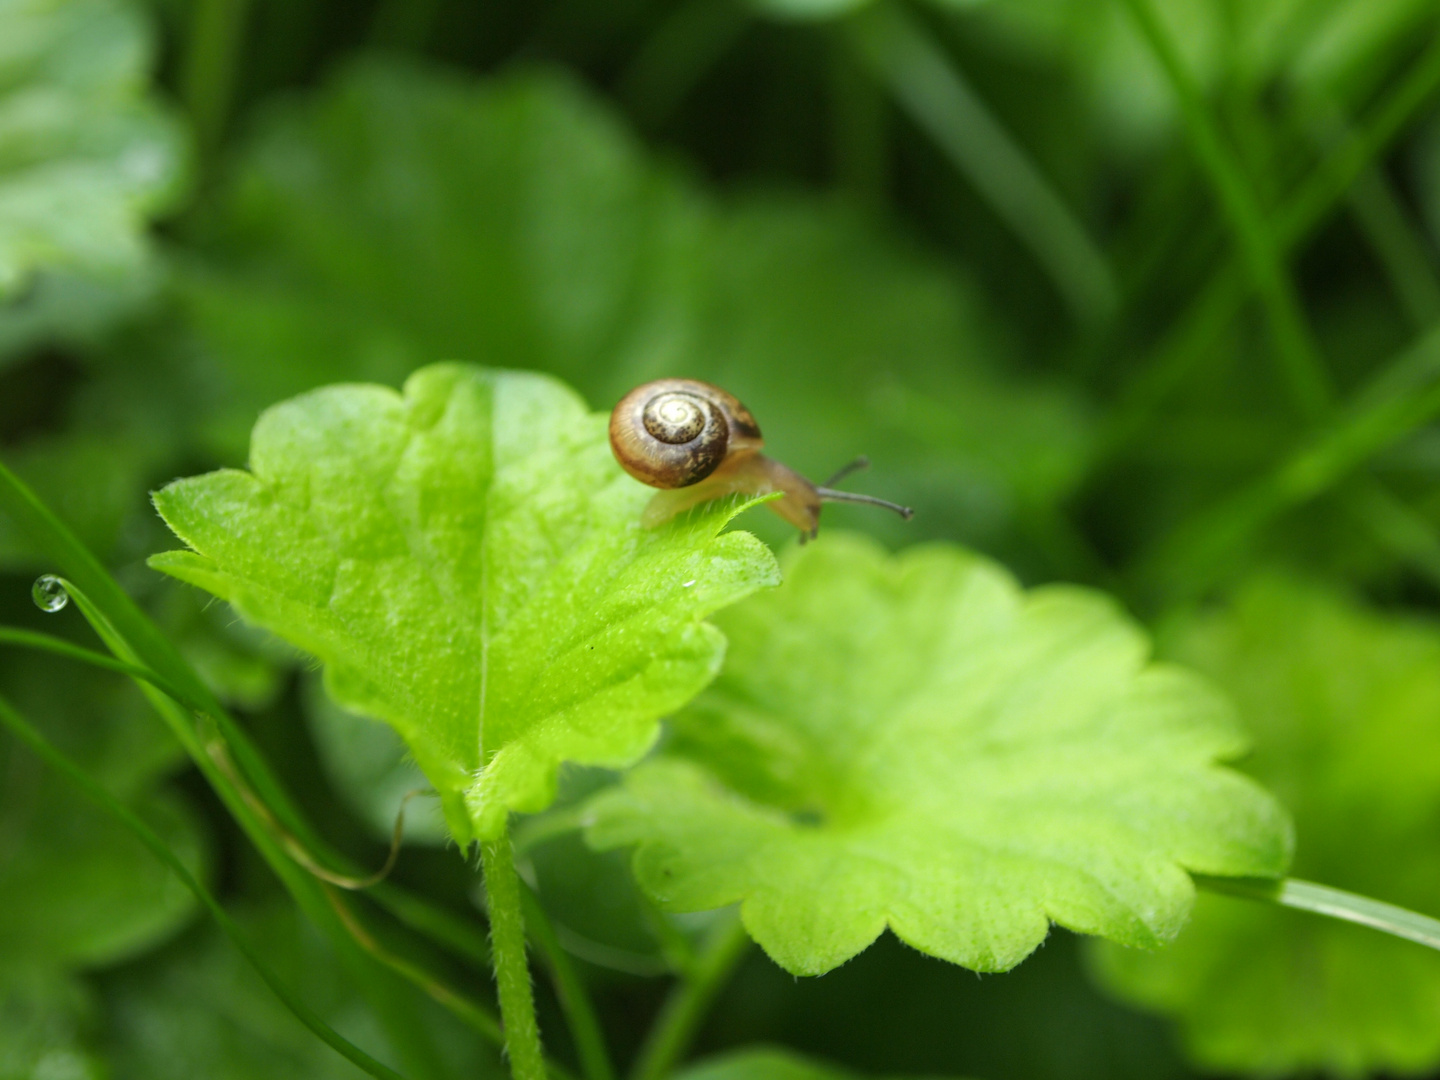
(915, 742)
(400, 215)
(85, 154)
(1345, 703)
(467, 561)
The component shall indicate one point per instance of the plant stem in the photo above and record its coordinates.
(1325, 187)
(1334, 903)
(685, 1007)
(217, 34)
(1308, 382)
(507, 953)
(404, 24)
(857, 127)
(926, 83)
(574, 999)
(684, 48)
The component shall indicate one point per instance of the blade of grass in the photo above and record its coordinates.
(685, 1008)
(1193, 338)
(1299, 357)
(62, 764)
(926, 83)
(1405, 396)
(1332, 903)
(1383, 222)
(574, 999)
(857, 127)
(33, 639)
(132, 637)
(212, 59)
(683, 49)
(128, 631)
(1325, 188)
(477, 1015)
(451, 931)
(280, 849)
(404, 24)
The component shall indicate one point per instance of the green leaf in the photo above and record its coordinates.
(1345, 703)
(400, 215)
(914, 742)
(86, 156)
(468, 562)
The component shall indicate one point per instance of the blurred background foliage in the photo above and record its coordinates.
(1137, 293)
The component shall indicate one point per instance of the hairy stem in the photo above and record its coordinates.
(507, 953)
(686, 1006)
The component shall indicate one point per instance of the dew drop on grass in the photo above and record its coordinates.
(49, 593)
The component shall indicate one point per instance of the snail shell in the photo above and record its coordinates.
(673, 433)
(697, 443)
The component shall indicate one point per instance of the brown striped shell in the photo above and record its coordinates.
(672, 433)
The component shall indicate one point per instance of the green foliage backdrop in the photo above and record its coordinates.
(1134, 301)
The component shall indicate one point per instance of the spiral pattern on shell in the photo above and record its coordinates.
(675, 432)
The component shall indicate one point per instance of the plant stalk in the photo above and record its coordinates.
(1333, 903)
(212, 58)
(507, 953)
(686, 1006)
(574, 999)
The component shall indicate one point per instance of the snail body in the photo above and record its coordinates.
(697, 442)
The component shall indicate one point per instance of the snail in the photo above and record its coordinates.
(696, 442)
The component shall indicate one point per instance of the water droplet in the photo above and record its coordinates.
(49, 593)
(688, 584)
